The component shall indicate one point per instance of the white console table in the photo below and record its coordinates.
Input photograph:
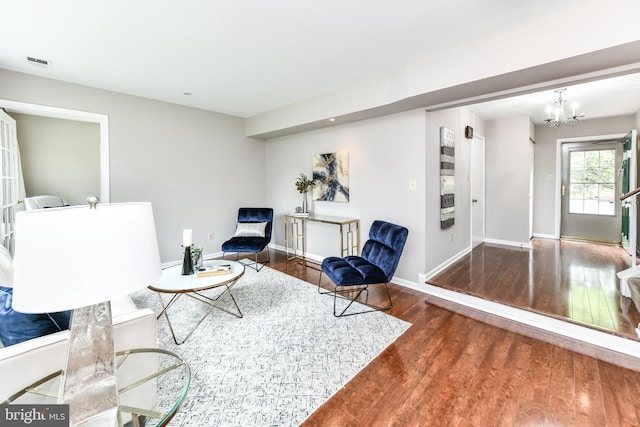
(295, 230)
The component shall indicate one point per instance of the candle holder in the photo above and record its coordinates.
(187, 263)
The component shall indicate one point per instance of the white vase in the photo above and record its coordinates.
(305, 209)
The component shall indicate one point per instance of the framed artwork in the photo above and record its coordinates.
(331, 174)
(447, 177)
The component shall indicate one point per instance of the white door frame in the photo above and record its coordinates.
(558, 183)
(10, 179)
(477, 208)
(80, 116)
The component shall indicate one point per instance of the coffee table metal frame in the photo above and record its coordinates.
(173, 282)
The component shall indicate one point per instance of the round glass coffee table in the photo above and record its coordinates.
(173, 282)
(152, 383)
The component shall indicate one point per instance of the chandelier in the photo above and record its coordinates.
(559, 115)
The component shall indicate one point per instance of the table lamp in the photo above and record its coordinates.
(80, 258)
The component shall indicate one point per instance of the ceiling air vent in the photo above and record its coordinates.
(45, 63)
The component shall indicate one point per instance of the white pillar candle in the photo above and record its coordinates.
(187, 237)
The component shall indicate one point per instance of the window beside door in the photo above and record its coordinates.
(592, 182)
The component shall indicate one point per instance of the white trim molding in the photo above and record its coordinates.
(602, 344)
(521, 245)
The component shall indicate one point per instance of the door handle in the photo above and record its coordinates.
(474, 200)
(564, 190)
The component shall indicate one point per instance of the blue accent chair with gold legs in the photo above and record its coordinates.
(352, 275)
(253, 234)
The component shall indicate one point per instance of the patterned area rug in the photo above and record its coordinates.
(278, 363)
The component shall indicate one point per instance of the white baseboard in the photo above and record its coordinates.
(521, 245)
(545, 236)
(312, 257)
(405, 283)
(442, 266)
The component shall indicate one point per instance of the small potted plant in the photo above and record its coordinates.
(303, 185)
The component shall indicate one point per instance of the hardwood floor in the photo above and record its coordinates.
(449, 369)
(574, 281)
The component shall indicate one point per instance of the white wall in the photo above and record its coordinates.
(59, 157)
(195, 166)
(443, 245)
(384, 154)
(508, 179)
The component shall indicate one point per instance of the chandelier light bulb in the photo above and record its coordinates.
(574, 107)
(549, 109)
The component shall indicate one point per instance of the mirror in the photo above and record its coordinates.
(79, 116)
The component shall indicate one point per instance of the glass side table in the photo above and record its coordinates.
(152, 383)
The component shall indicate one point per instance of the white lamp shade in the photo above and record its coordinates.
(73, 257)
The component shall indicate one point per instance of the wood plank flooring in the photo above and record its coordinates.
(449, 369)
(574, 281)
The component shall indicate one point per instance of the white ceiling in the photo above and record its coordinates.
(246, 57)
(599, 99)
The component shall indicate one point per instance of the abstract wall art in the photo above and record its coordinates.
(331, 174)
(447, 177)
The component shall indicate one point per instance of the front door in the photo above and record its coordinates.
(590, 192)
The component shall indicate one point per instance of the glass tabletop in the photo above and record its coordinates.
(172, 280)
(152, 383)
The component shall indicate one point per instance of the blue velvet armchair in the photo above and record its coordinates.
(353, 275)
(253, 234)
